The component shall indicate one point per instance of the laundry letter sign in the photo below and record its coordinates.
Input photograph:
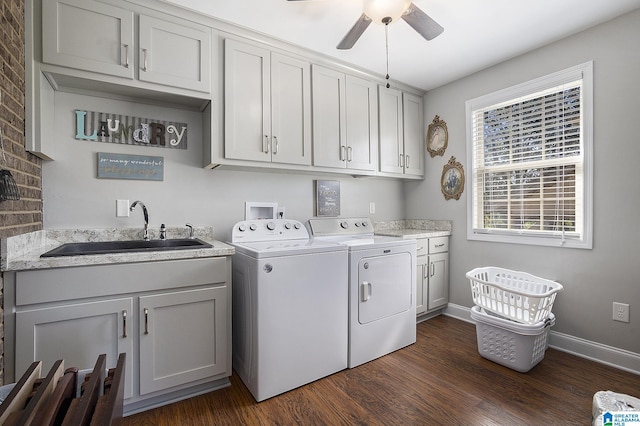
(127, 130)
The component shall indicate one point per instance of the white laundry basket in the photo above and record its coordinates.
(517, 346)
(518, 296)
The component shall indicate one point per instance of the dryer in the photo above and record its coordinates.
(290, 308)
(382, 291)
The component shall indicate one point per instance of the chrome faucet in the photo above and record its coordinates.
(190, 226)
(145, 235)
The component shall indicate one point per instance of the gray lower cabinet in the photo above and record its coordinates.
(432, 278)
(76, 333)
(178, 326)
(171, 318)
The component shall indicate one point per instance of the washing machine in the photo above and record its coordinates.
(382, 291)
(290, 306)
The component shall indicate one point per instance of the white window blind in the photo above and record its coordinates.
(528, 153)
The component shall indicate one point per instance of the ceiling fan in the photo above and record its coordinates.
(386, 12)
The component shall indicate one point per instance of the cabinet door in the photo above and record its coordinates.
(183, 337)
(329, 117)
(438, 280)
(175, 54)
(246, 109)
(422, 281)
(78, 334)
(390, 124)
(290, 110)
(361, 124)
(413, 135)
(88, 35)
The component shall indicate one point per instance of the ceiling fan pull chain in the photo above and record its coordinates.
(386, 42)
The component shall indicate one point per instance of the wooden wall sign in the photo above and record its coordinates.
(124, 166)
(125, 129)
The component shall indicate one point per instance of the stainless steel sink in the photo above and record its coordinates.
(129, 246)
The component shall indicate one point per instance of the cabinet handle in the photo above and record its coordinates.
(145, 62)
(433, 269)
(126, 55)
(342, 152)
(440, 245)
(124, 324)
(401, 160)
(406, 163)
(146, 321)
(275, 145)
(349, 153)
(265, 145)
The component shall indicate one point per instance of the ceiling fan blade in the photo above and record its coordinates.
(422, 23)
(354, 33)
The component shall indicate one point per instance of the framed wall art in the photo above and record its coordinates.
(452, 181)
(437, 137)
(328, 198)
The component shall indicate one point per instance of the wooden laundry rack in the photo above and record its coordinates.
(52, 400)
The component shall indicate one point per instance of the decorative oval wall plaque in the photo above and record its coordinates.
(452, 180)
(437, 137)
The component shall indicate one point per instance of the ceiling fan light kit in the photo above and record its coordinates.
(385, 11)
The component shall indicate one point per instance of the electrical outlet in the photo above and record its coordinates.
(620, 312)
(372, 208)
(122, 208)
(281, 211)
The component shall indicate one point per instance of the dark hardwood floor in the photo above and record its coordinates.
(440, 380)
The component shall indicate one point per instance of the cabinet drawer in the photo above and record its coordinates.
(438, 245)
(51, 285)
(422, 246)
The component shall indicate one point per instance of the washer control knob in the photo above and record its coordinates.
(253, 227)
(242, 228)
(287, 226)
(296, 226)
(344, 225)
(357, 224)
(271, 226)
(364, 224)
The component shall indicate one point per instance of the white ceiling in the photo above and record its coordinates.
(477, 34)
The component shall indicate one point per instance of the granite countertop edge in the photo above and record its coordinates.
(414, 233)
(23, 252)
(414, 228)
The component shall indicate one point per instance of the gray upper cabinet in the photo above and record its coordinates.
(401, 141)
(391, 131)
(344, 120)
(267, 112)
(175, 53)
(413, 136)
(88, 35)
(91, 36)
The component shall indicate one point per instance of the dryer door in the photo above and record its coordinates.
(384, 286)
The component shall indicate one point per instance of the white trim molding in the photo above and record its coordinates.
(609, 355)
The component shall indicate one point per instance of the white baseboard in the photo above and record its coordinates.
(615, 357)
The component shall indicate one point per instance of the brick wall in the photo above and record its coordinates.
(25, 215)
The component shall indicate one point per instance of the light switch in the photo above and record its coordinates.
(122, 208)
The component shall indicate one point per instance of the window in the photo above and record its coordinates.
(529, 148)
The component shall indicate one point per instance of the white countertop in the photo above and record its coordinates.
(23, 251)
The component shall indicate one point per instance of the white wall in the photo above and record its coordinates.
(74, 197)
(592, 279)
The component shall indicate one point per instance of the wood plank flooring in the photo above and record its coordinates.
(440, 380)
